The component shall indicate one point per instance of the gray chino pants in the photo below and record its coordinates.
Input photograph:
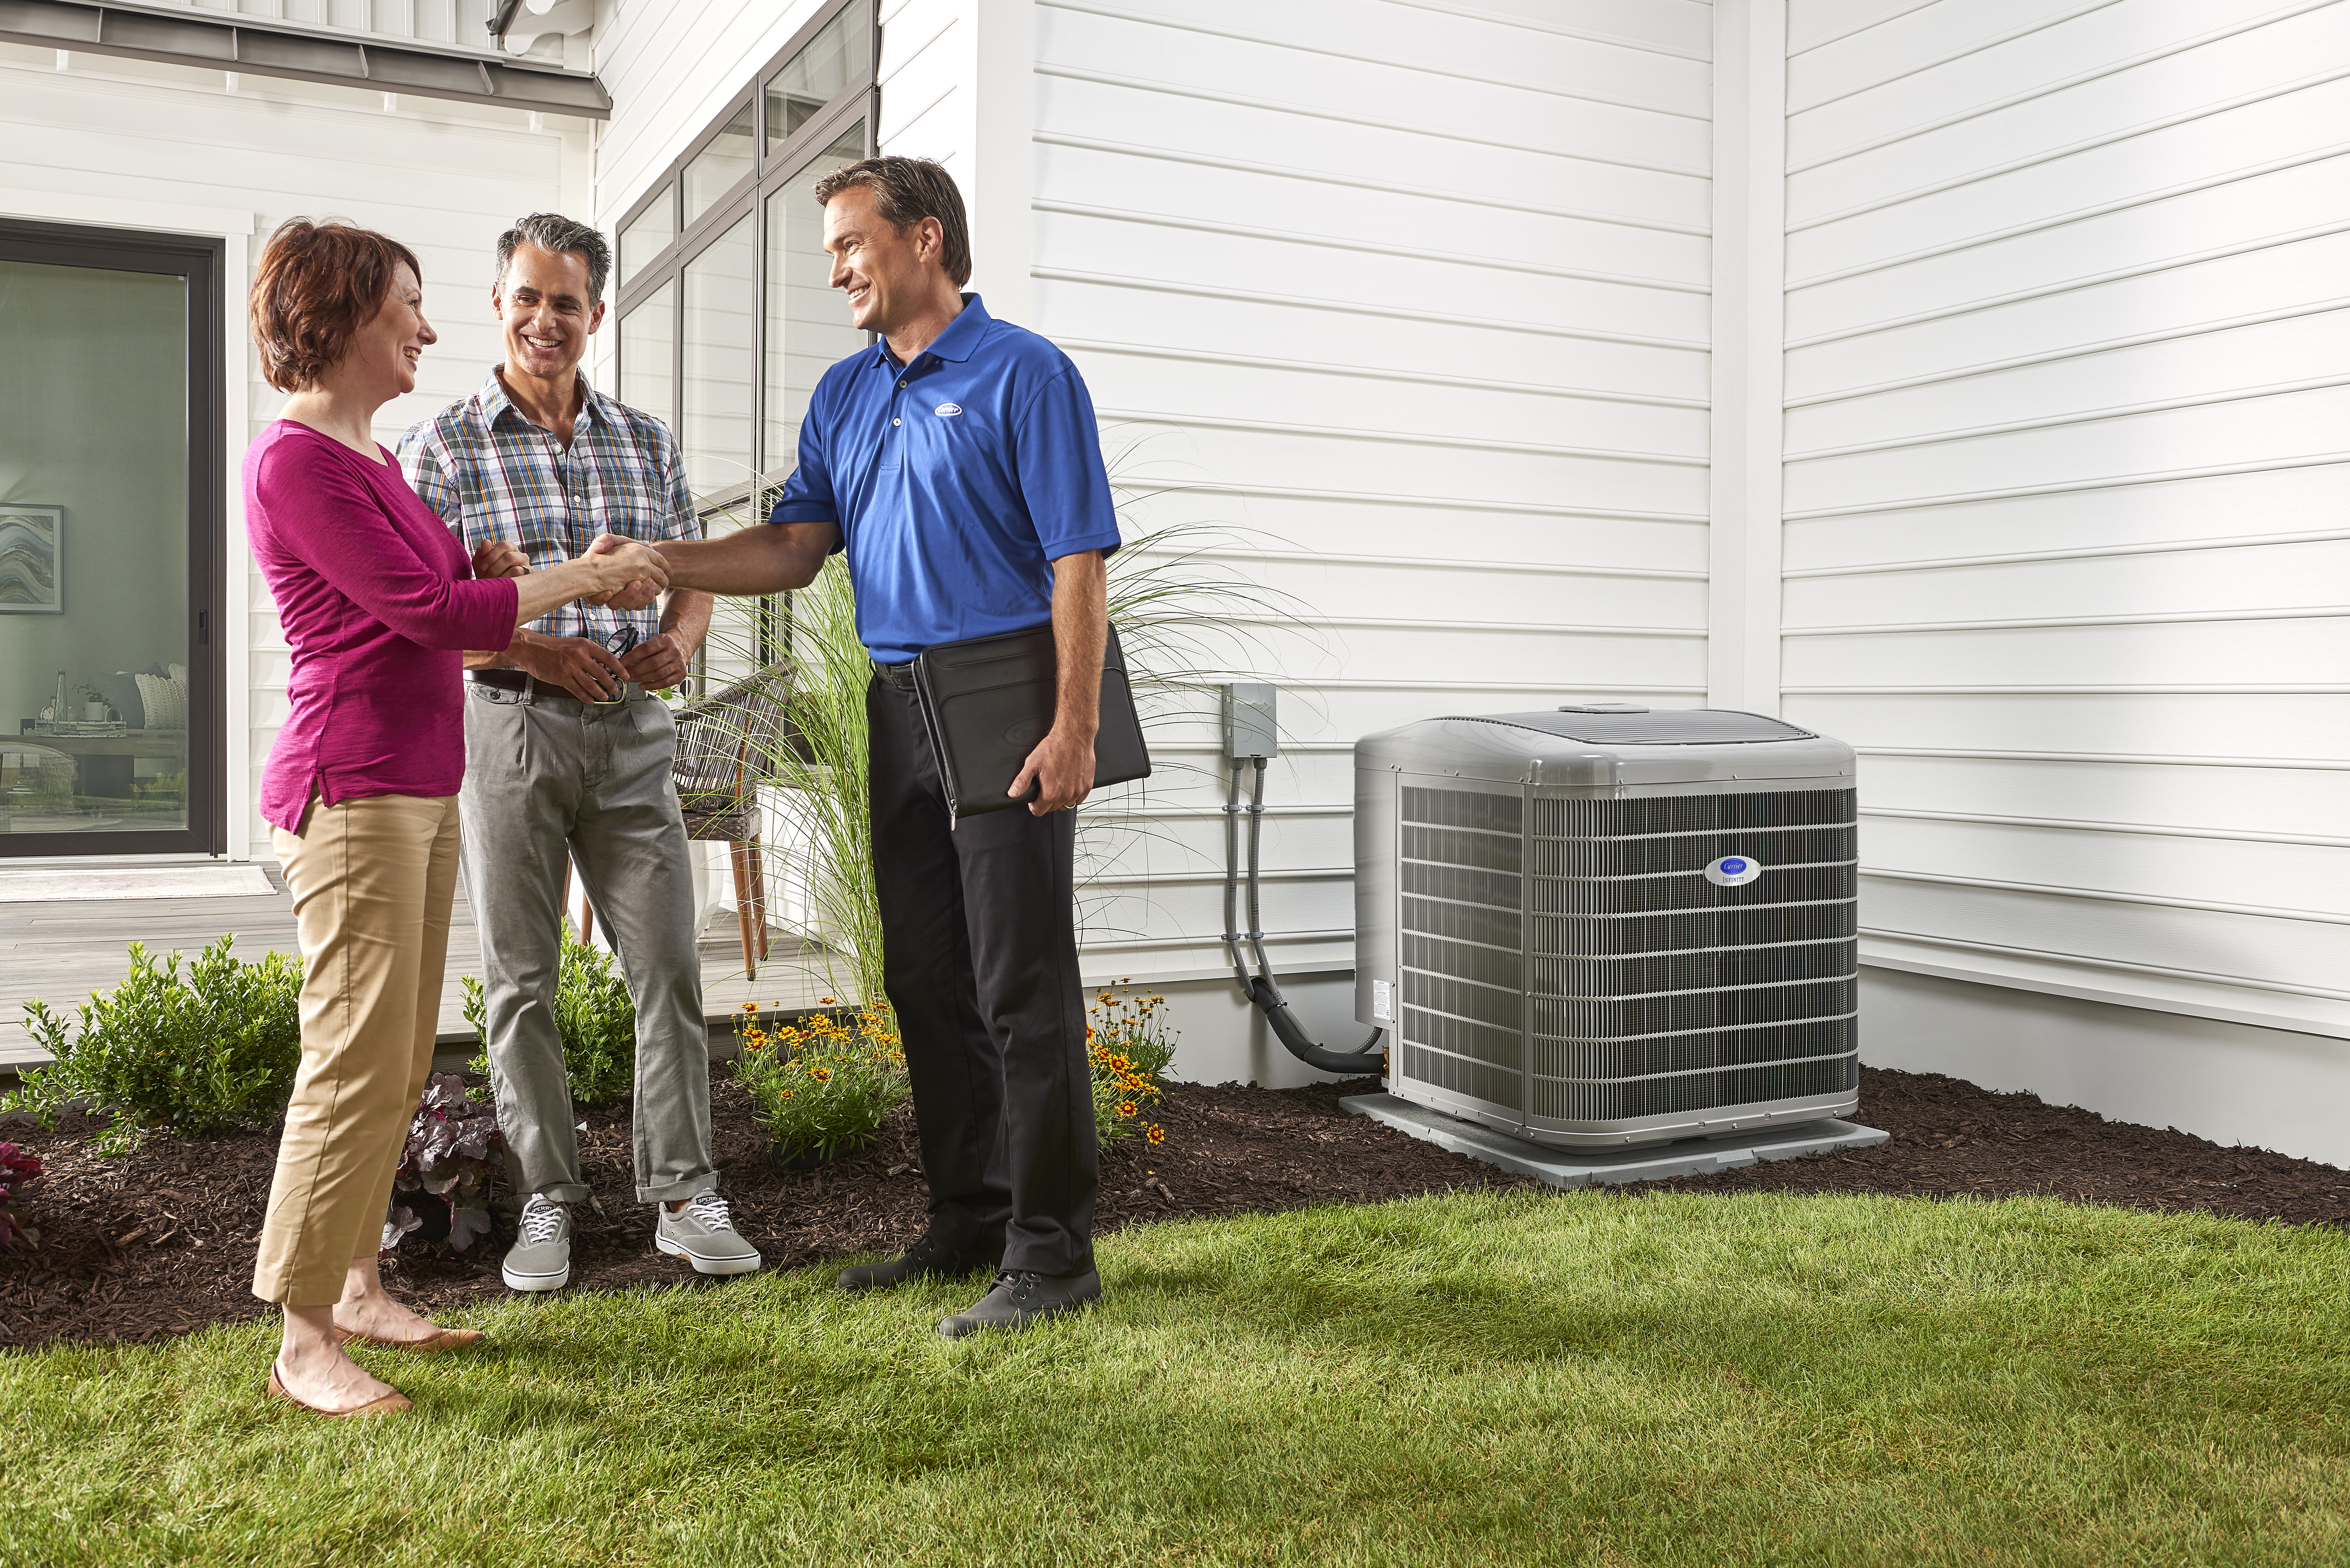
(549, 776)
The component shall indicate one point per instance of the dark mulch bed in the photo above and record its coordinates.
(1953, 1140)
(162, 1242)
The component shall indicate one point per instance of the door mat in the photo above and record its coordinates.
(75, 884)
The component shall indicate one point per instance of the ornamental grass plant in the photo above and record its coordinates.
(823, 1084)
(203, 1051)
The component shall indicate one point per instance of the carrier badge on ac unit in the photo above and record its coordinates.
(1733, 871)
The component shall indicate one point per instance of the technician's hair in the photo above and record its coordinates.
(906, 190)
(315, 285)
(554, 231)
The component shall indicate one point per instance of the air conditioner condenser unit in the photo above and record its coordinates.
(1605, 926)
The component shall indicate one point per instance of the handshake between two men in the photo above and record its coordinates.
(625, 575)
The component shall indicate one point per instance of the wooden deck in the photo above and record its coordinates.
(61, 951)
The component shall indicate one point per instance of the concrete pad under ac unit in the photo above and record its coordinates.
(1583, 1167)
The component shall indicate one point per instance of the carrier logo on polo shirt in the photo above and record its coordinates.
(944, 410)
(1733, 871)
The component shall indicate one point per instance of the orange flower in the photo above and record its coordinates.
(822, 1074)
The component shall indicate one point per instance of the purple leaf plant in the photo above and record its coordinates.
(19, 1168)
(443, 1187)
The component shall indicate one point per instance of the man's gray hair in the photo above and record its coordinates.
(554, 231)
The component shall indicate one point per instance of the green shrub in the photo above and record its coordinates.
(214, 1049)
(823, 1086)
(594, 1018)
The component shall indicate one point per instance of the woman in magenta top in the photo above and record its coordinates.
(378, 600)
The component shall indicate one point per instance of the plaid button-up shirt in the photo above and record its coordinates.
(493, 474)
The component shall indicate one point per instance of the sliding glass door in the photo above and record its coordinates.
(110, 553)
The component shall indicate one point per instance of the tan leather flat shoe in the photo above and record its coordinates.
(443, 1339)
(389, 1404)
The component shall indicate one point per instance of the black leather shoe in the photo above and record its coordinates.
(1021, 1297)
(929, 1256)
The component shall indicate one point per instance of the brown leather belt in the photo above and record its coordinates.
(534, 689)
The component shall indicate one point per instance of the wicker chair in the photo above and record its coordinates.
(723, 742)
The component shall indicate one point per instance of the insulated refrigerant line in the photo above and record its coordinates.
(1259, 986)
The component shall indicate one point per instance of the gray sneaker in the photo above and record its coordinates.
(701, 1232)
(540, 1259)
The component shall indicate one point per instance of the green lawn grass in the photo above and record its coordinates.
(1513, 1379)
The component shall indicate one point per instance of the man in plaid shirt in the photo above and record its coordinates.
(568, 754)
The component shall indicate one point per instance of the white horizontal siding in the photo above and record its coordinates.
(1412, 298)
(2067, 459)
(444, 179)
(670, 67)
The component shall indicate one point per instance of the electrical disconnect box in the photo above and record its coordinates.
(1251, 729)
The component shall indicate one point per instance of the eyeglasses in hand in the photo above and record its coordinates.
(618, 644)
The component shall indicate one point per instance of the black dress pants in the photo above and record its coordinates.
(979, 954)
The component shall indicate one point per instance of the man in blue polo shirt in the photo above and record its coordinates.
(957, 463)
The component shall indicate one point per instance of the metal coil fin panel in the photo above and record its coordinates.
(1486, 812)
(1643, 990)
(1687, 890)
(1817, 1078)
(1462, 922)
(1459, 885)
(1587, 1018)
(1688, 813)
(1464, 999)
(1824, 845)
(1661, 1056)
(1707, 969)
(1585, 936)
(1505, 1089)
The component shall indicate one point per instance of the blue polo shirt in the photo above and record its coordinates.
(955, 480)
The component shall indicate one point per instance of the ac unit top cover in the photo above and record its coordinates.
(1613, 747)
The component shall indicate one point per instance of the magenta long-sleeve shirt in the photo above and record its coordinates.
(378, 601)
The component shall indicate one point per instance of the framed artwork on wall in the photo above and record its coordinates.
(32, 559)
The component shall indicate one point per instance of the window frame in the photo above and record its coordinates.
(749, 194)
(202, 261)
(769, 173)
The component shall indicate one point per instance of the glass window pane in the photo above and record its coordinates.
(719, 167)
(94, 642)
(808, 319)
(648, 355)
(716, 432)
(652, 232)
(839, 57)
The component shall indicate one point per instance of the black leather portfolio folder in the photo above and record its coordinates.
(989, 700)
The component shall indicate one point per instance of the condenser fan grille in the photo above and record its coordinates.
(1570, 959)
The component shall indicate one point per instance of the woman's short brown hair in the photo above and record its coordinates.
(317, 284)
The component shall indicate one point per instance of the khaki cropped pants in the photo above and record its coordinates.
(373, 880)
